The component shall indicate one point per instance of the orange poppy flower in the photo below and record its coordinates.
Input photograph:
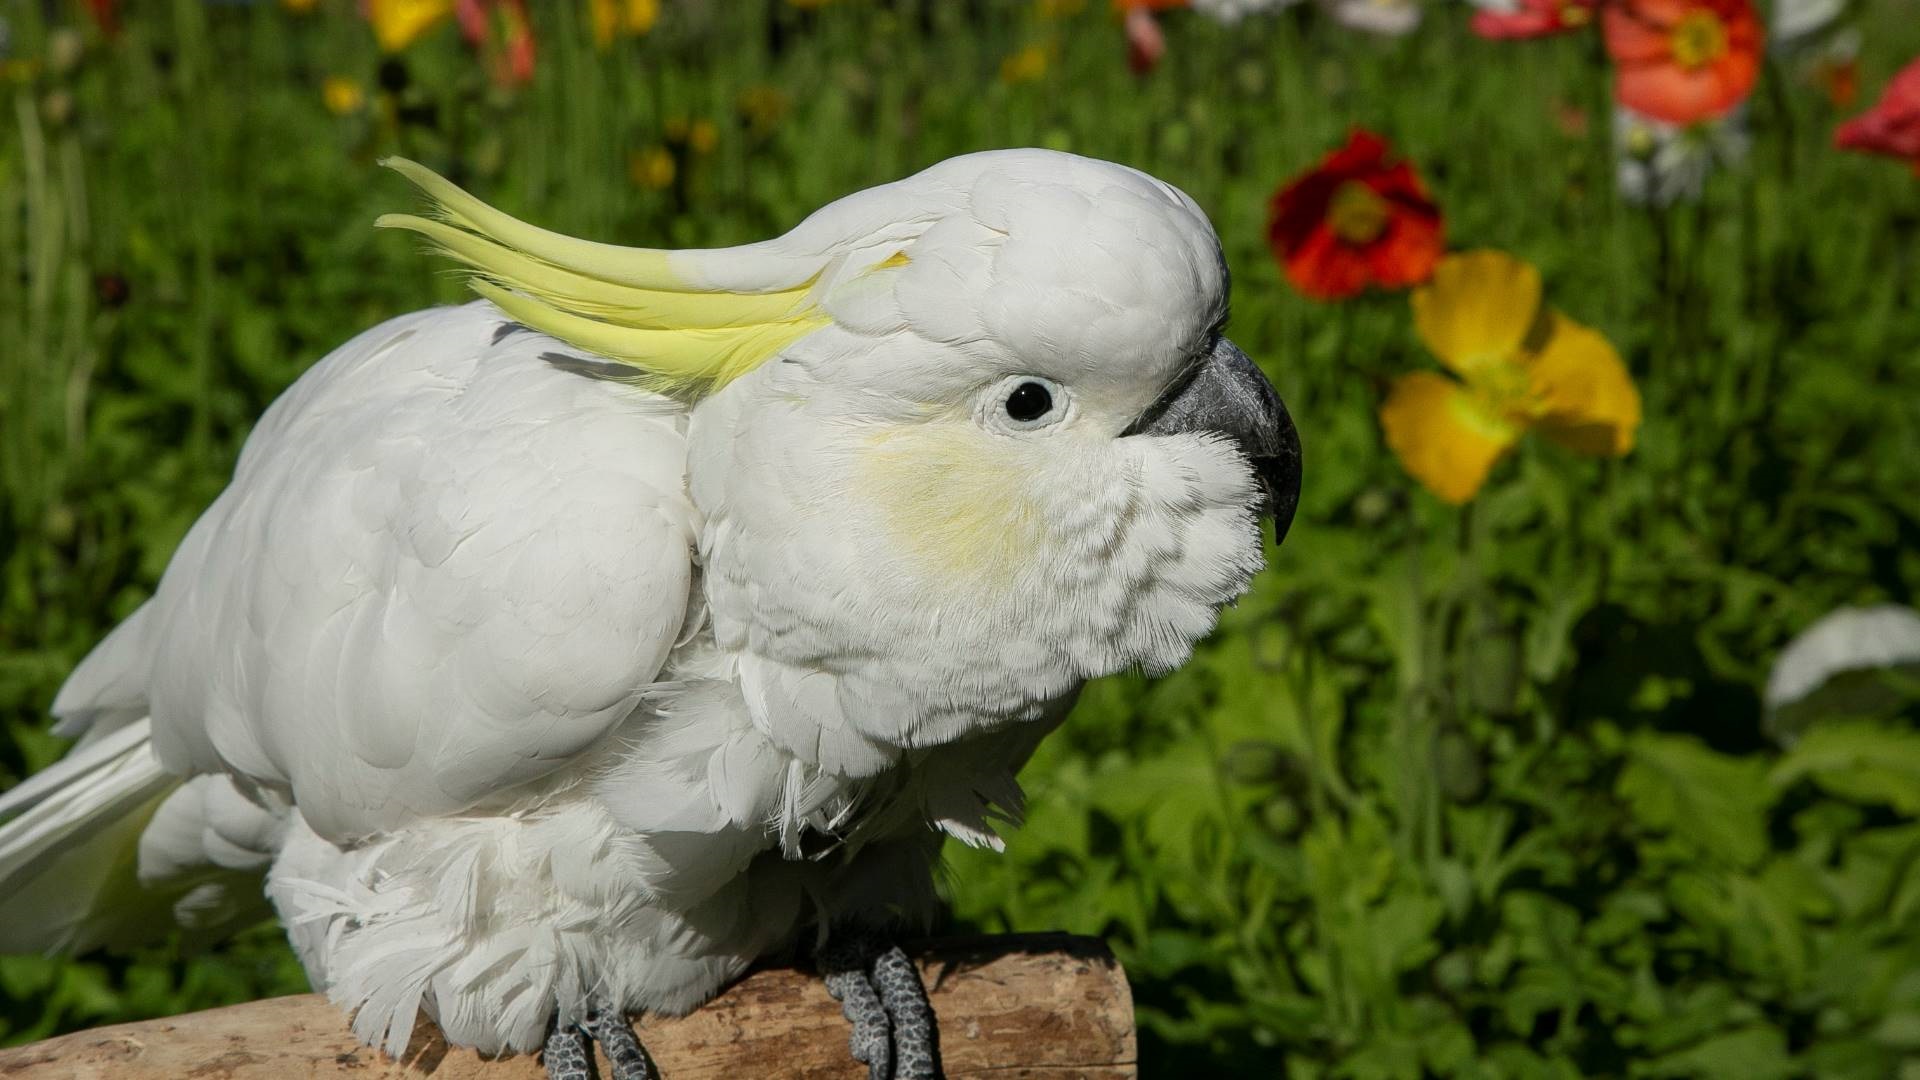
(1839, 76)
(1356, 220)
(510, 59)
(1683, 61)
(1892, 126)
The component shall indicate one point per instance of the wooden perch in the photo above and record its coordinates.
(1037, 1006)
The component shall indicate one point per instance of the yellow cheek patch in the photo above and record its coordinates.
(955, 501)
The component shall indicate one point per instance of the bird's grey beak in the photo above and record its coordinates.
(1228, 394)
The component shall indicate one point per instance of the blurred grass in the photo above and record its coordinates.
(1474, 794)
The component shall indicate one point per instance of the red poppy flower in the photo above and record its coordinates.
(106, 16)
(1892, 126)
(1356, 220)
(1683, 61)
(1535, 18)
(1145, 43)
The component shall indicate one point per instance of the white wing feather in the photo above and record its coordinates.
(445, 567)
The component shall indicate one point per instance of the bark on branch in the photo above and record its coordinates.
(1038, 1006)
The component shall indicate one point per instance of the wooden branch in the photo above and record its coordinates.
(1037, 1006)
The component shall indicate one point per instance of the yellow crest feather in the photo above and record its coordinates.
(627, 304)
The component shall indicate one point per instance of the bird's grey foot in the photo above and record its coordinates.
(569, 1053)
(630, 1061)
(568, 1056)
(872, 1037)
(880, 993)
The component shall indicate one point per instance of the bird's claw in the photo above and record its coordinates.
(568, 1056)
(569, 1051)
(871, 1040)
(881, 995)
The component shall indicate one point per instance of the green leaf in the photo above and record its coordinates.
(1858, 760)
(1714, 802)
(1751, 1053)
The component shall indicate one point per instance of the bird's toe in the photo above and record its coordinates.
(567, 1055)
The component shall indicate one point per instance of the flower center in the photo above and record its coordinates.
(1640, 141)
(1699, 39)
(1357, 213)
(1574, 14)
(1504, 386)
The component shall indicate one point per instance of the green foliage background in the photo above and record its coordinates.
(1460, 794)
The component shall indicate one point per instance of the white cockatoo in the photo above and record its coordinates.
(556, 656)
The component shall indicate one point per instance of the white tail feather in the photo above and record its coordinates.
(76, 826)
(83, 760)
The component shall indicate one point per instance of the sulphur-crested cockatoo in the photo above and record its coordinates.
(556, 656)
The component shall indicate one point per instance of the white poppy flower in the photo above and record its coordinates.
(1232, 11)
(1658, 164)
(1837, 666)
(1388, 18)
(1796, 20)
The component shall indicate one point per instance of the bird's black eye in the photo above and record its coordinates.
(1029, 401)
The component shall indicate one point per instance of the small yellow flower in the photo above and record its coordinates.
(1522, 367)
(19, 71)
(651, 168)
(342, 95)
(399, 23)
(763, 107)
(300, 7)
(612, 18)
(1027, 65)
(702, 137)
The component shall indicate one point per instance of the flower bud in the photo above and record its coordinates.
(64, 49)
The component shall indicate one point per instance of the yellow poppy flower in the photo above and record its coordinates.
(1521, 367)
(613, 17)
(399, 23)
(1027, 65)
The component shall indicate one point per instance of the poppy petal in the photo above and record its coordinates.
(1393, 246)
(1634, 40)
(1531, 19)
(1325, 269)
(1477, 309)
(398, 23)
(1892, 126)
(1444, 436)
(1588, 401)
(1406, 252)
(1652, 78)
